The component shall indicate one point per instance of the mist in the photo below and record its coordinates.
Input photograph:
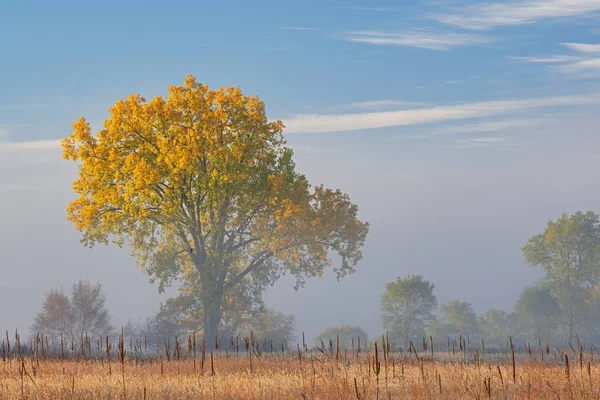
(430, 213)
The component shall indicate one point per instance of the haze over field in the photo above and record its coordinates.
(458, 130)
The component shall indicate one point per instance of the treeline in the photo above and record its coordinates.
(563, 308)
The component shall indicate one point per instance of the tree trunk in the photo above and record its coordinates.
(570, 322)
(212, 319)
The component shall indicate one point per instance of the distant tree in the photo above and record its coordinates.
(56, 317)
(495, 326)
(569, 252)
(165, 325)
(348, 335)
(273, 326)
(594, 314)
(88, 304)
(458, 318)
(537, 312)
(84, 313)
(407, 306)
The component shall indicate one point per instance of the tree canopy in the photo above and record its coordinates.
(202, 188)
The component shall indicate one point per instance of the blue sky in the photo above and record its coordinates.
(459, 128)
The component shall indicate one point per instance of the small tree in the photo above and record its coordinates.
(348, 335)
(83, 314)
(407, 306)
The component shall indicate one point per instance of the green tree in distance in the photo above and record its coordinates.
(458, 318)
(407, 306)
(495, 326)
(348, 335)
(569, 253)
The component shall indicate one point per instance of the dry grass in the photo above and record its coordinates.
(322, 375)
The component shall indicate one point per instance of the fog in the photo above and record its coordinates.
(430, 211)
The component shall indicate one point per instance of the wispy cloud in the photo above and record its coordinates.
(490, 15)
(380, 105)
(452, 82)
(371, 120)
(592, 64)
(40, 145)
(376, 9)
(552, 59)
(490, 126)
(587, 61)
(298, 28)
(482, 141)
(583, 47)
(425, 39)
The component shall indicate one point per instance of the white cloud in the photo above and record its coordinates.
(553, 59)
(375, 9)
(490, 15)
(581, 66)
(41, 145)
(477, 141)
(452, 82)
(583, 47)
(490, 126)
(424, 39)
(299, 28)
(380, 104)
(359, 121)
(587, 61)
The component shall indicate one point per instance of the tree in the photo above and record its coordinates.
(537, 311)
(569, 252)
(495, 326)
(88, 304)
(83, 314)
(273, 326)
(347, 334)
(56, 317)
(407, 306)
(202, 188)
(459, 319)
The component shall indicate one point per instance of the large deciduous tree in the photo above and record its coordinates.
(569, 253)
(202, 188)
(407, 306)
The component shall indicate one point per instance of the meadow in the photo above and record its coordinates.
(250, 369)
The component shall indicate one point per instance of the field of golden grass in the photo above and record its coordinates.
(307, 375)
